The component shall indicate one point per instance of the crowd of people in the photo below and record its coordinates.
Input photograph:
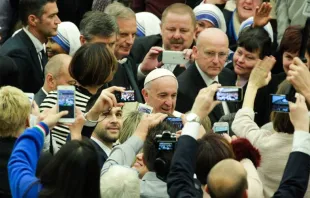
(110, 52)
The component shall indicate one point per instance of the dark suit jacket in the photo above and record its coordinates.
(102, 156)
(9, 72)
(126, 76)
(190, 83)
(142, 46)
(180, 180)
(39, 97)
(21, 49)
(295, 179)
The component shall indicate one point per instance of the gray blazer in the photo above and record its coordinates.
(39, 97)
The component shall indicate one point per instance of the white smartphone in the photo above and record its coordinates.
(306, 11)
(66, 102)
(174, 57)
(221, 127)
(31, 97)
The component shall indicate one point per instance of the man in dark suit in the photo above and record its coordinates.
(26, 47)
(177, 34)
(8, 72)
(210, 54)
(107, 132)
(126, 74)
(56, 73)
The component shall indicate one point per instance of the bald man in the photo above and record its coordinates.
(56, 73)
(210, 53)
(228, 178)
(160, 91)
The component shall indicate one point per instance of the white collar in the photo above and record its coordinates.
(37, 44)
(106, 149)
(205, 77)
(122, 61)
(46, 93)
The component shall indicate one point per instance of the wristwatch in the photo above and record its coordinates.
(192, 117)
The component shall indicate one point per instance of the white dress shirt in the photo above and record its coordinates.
(209, 81)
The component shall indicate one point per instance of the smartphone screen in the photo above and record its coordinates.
(279, 103)
(126, 96)
(176, 122)
(66, 100)
(30, 97)
(220, 129)
(232, 94)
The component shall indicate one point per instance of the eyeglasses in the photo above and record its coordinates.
(212, 55)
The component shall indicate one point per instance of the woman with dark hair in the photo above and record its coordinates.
(274, 145)
(73, 172)
(92, 66)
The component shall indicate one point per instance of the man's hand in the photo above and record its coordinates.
(77, 126)
(261, 75)
(150, 61)
(299, 76)
(105, 102)
(204, 102)
(299, 113)
(148, 121)
(51, 117)
(262, 15)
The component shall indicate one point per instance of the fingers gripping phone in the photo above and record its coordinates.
(221, 127)
(231, 94)
(126, 96)
(66, 102)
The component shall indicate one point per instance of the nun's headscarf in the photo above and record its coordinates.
(250, 21)
(68, 37)
(211, 13)
(147, 24)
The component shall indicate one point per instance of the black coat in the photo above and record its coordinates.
(190, 83)
(102, 156)
(21, 49)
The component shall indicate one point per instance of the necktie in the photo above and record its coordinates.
(43, 59)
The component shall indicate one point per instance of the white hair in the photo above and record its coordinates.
(120, 182)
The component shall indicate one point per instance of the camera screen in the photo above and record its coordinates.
(220, 129)
(176, 122)
(66, 102)
(279, 103)
(126, 96)
(227, 94)
(165, 146)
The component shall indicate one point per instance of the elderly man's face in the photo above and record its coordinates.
(161, 94)
(246, 8)
(177, 32)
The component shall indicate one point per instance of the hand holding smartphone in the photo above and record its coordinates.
(175, 121)
(174, 57)
(279, 103)
(66, 102)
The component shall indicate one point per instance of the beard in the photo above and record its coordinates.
(104, 135)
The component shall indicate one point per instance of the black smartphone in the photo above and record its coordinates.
(176, 122)
(279, 103)
(231, 94)
(126, 96)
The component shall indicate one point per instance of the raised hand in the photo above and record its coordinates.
(150, 61)
(260, 75)
(77, 126)
(262, 15)
(299, 113)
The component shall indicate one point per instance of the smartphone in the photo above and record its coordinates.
(175, 121)
(66, 102)
(126, 96)
(174, 57)
(143, 108)
(279, 103)
(30, 97)
(306, 11)
(231, 94)
(221, 127)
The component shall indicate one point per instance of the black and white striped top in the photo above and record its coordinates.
(60, 132)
